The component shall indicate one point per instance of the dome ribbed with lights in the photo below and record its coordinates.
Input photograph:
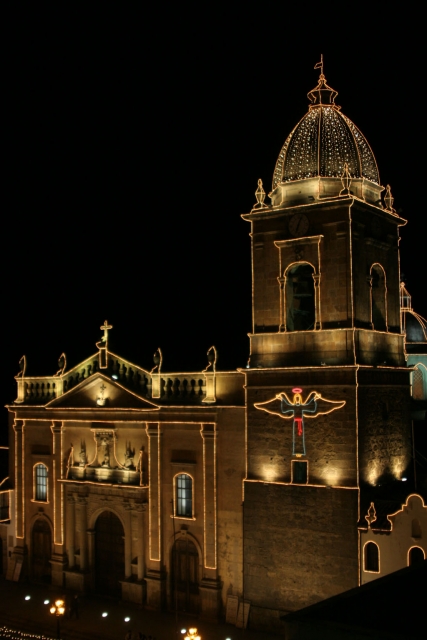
(322, 141)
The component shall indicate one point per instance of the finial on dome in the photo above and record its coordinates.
(319, 65)
(388, 199)
(322, 94)
(260, 196)
(346, 181)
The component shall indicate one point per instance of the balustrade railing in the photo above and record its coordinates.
(188, 387)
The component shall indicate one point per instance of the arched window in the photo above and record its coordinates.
(183, 496)
(415, 556)
(418, 384)
(300, 299)
(40, 482)
(372, 557)
(378, 298)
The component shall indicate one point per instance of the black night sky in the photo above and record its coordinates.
(133, 143)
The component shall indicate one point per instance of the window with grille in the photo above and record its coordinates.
(41, 482)
(184, 496)
(417, 384)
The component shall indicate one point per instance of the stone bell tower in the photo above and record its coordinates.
(326, 383)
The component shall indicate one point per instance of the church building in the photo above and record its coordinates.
(281, 484)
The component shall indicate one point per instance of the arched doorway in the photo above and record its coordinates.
(42, 550)
(416, 556)
(300, 301)
(109, 554)
(185, 576)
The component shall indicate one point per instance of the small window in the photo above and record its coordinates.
(184, 496)
(41, 482)
(415, 556)
(299, 471)
(372, 557)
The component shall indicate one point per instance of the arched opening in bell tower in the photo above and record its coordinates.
(300, 298)
(378, 298)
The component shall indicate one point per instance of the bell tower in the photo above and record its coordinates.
(327, 386)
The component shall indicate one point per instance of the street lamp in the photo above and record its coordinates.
(192, 635)
(58, 609)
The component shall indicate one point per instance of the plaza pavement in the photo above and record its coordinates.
(34, 616)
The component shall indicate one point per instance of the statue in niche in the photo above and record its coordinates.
(82, 455)
(106, 459)
(129, 456)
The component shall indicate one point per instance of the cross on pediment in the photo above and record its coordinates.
(105, 327)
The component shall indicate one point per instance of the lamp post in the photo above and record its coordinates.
(58, 610)
(192, 635)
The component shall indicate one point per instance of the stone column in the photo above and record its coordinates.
(154, 491)
(210, 587)
(155, 578)
(19, 479)
(209, 495)
(281, 282)
(128, 540)
(140, 508)
(318, 322)
(71, 525)
(57, 487)
(90, 536)
(82, 502)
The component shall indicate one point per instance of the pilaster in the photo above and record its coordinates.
(209, 496)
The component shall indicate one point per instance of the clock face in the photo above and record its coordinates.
(298, 225)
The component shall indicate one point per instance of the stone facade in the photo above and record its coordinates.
(177, 490)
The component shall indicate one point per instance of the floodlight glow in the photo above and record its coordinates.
(115, 377)
(46, 602)
(105, 614)
(27, 597)
(127, 619)
(404, 479)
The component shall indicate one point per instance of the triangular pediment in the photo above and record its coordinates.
(100, 392)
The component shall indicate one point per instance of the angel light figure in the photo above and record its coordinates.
(296, 410)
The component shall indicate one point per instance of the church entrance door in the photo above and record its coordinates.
(185, 576)
(42, 550)
(109, 554)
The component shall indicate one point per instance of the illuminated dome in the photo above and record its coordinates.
(414, 325)
(323, 141)
(320, 146)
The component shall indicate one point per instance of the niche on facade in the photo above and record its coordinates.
(300, 298)
(105, 465)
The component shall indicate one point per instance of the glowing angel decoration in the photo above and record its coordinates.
(296, 410)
